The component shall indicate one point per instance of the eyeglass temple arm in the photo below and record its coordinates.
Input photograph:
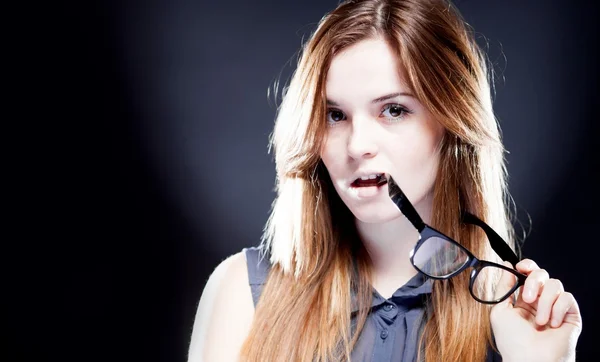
(402, 202)
(498, 244)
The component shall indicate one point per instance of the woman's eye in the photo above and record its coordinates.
(334, 116)
(394, 111)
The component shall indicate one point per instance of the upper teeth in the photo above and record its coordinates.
(370, 177)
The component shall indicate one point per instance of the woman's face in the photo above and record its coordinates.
(375, 126)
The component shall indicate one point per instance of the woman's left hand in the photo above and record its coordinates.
(544, 323)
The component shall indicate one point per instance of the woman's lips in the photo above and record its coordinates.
(367, 190)
(378, 181)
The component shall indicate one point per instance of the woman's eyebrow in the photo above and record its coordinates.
(377, 100)
(390, 96)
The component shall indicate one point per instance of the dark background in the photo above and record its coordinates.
(140, 157)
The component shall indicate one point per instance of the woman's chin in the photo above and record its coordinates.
(374, 214)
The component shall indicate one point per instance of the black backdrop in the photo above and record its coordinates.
(140, 157)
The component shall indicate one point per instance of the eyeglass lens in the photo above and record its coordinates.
(440, 258)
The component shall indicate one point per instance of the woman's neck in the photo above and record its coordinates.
(389, 245)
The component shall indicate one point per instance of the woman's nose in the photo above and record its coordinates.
(362, 141)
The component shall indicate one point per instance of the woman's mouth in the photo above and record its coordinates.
(368, 186)
(371, 180)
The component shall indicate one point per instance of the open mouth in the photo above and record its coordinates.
(372, 180)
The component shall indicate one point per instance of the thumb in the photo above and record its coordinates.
(506, 283)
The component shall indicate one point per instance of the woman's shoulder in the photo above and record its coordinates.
(226, 301)
(230, 277)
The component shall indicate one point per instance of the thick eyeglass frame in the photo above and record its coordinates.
(426, 231)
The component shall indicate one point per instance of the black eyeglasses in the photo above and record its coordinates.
(439, 257)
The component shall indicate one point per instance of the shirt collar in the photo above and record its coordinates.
(417, 287)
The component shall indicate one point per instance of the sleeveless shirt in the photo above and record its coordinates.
(392, 327)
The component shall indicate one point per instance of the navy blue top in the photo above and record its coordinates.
(393, 325)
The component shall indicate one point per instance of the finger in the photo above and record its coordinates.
(526, 266)
(550, 293)
(565, 303)
(534, 284)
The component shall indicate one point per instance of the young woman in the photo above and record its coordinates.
(386, 89)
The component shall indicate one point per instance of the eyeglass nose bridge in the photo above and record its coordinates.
(474, 263)
(477, 266)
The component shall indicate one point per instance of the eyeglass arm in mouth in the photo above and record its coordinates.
(402, 202)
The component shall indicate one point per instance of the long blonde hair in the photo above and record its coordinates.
(318, 261)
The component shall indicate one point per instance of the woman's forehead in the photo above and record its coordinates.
(363, 72)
